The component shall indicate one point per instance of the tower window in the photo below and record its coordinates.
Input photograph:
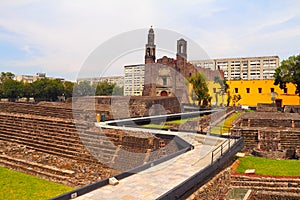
(259, 90)
(248, 90)
(215, 90)
(164, 81)
(285, 90)
(272, 90)
(236, 90)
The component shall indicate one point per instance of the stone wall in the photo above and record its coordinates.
(270, 143)
(291, 109)
(216, 188)
(124, 106)
(259, 195)
(271, 135)
(266, 187)
(264, 107)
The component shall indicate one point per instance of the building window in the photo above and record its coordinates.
(272, 90)
(236, 90)
(164, 80)
(259, 90)
(215, 90)
(248, 90)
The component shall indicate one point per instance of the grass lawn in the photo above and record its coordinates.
(16, 185)
(155, 126)
(224, 128)
(264, 166)
(180, 121)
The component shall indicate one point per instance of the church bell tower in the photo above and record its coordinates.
(150, 48)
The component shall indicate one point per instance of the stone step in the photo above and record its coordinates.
(37, 166)
(70, 142)
(48, 149)
(264, 183)
(264, 179)
(52, 129)
(33, 171)
(279, 189)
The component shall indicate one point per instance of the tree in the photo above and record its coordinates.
(104, 89)
(118, 91)
(6, 76)
(223, 87)
(288, 72)
(47, 90)
(236, 98)
(12, 89)
(27, 90)
(68, 89)
(200, 87)
(83, 89)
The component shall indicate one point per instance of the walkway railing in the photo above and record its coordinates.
(186, 188)
(222, 148)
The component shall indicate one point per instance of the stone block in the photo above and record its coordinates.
(240, 155)
(113, 181)
(250, 171)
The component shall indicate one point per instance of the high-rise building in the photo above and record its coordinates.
(134, 80)
(118, 80)
(247, 68)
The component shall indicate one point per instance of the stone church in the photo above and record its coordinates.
(168, 76)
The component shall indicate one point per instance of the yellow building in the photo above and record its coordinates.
(217, 96)
(253, 92)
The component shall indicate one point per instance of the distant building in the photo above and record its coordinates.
(253, 92)
(247, 68)
(32, 78)
(118, 80)
(134, 80)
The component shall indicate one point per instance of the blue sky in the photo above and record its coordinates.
(57, 36)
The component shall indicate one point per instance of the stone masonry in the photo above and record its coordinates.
(270, 134)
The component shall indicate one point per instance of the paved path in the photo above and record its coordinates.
(157, 180)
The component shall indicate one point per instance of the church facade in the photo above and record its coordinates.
(168, 76)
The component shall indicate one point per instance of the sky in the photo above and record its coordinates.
(57, 36)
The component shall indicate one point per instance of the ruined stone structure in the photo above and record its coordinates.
(259, 187)
(45, 141)
(115, 107)
(168, 76)
(216, 188)
(270, 134)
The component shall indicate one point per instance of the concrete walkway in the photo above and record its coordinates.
(157, 180)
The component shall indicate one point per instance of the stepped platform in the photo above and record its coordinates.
(91, 153)
(157, 181)
(271, 184)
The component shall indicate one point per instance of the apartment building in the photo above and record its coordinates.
(32, 78)
(247, 68)
(134, 80)
(118, 80)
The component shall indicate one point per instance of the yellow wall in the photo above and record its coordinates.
(254, 97)
(211, 85)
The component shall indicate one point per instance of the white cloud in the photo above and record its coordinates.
(59, 35)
